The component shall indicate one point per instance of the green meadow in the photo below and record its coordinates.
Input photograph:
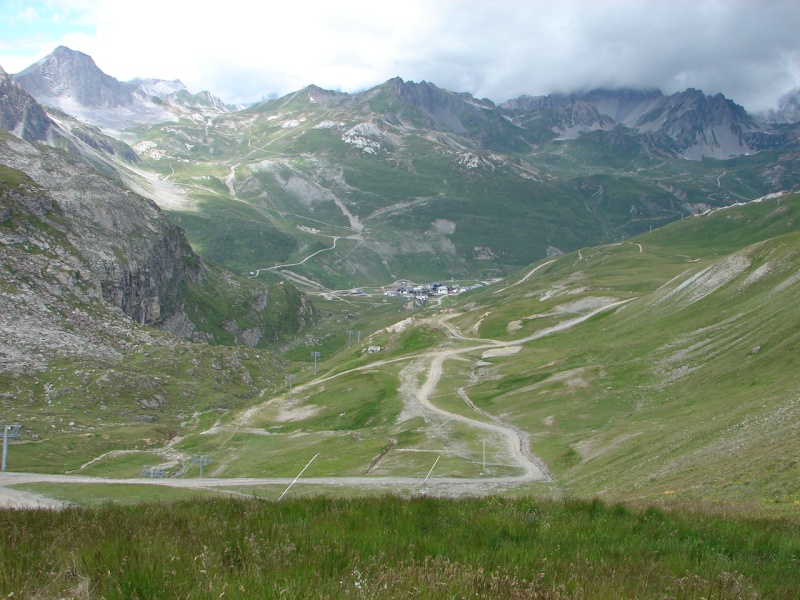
(390, 547)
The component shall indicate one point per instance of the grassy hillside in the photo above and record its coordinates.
(415, 195)
(661, 369)
(131, 408)
(689, 389)
(394, 548)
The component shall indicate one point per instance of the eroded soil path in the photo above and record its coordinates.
(417, 398)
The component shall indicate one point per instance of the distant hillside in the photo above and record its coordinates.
(418, 182)
(408, 180)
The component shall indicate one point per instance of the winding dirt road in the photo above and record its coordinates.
(516, 440)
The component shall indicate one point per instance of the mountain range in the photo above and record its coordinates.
(72, 82)
(690, 123)
(410, 179)
(171, 265)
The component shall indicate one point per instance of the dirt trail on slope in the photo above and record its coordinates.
(418, 397)
(516, 440)
(531, 272)
(533, 469)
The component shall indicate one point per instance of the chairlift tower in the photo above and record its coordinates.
(315, 356)
(9, 431)
(202, 460)
(290, 378)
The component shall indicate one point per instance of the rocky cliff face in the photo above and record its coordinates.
(133, 256)
(700, 125)
(70, 239)
(51, 303)
(21, 114)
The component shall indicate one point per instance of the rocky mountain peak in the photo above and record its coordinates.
(788, 110)
(322, 96)
(21, 114)
(426, 95)
(69, 74)
(688, 123)
(437, 108)
(71, 82)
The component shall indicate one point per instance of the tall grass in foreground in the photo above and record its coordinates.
(394, 548)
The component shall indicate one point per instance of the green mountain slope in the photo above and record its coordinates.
(689, 388)
(414, 181)
(662, 368)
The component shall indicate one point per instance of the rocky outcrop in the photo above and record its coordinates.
(21, 114)
(71, 238)
(136, 259)
(50, 304)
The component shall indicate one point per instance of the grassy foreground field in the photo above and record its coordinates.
(390, 547)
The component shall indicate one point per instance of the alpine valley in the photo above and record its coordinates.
(591, 294)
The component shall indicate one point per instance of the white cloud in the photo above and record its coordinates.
(241, 51)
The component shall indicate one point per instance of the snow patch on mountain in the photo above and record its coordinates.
(367, 137)
(149, 149)
(470, 160)
(330, 125)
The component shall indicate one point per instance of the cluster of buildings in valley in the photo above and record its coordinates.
(429, 290)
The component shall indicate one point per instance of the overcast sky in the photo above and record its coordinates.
(243, 51)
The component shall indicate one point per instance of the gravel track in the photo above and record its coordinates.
(516, 440)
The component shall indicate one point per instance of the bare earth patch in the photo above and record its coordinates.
(297, 414)
(18, 499)
(506, 351)
(589, 449)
